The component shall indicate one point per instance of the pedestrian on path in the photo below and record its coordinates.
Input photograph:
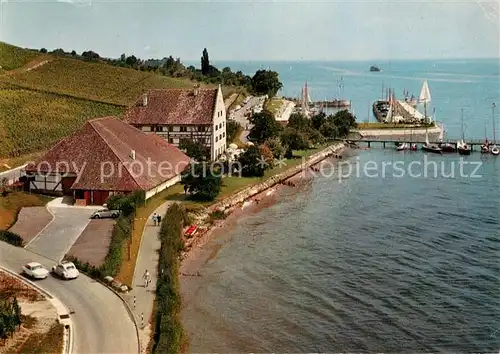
(158, 218)
(147, 278)
(154, 219)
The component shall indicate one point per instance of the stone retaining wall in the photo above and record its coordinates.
(272, 181)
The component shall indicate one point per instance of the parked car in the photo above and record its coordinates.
(66, 270)
(105, 213)
(35, 270)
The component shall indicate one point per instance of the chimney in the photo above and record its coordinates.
(132, 154)
(145, 99)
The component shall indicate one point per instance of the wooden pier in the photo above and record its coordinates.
(392, 142)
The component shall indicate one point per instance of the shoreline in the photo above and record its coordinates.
(250, 201)
(204, 247)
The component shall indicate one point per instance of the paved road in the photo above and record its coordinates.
(239, 116)
(57, 238)
(101, 321)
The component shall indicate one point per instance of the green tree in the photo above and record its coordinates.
(276, 148)
(318, 120)
(205, 62)
(16, 309)
(195, 150)
(329, 130)
(202, 182)
(43, 50)
(264, 127)
(344, 121)
(266, 82)
(299, 121)
(232, 128)
(252, 162)
(292, 139)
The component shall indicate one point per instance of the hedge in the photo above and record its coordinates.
(113, 260)
(10, 237)
(169, 335)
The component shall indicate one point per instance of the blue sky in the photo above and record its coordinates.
(258, 30)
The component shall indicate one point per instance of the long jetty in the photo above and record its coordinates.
(384, 141)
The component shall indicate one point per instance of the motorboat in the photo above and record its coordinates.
(495, 150)
(432, 148)
(402, 147)
(447, 147)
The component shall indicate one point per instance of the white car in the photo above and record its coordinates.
(66, 270)
(35, 270)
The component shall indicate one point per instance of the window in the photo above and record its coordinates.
(170, 129)
(170, 140)
(158, 129)
(220, 137)
(183, 129)
(201, 128)
(223, 134)
(216, 139)
(220, 125)
(224, 123)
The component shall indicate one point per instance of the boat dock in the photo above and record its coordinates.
(393, 141)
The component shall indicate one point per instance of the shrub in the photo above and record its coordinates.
(169, 334)
(10, 237)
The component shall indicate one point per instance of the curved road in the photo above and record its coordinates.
(101, 322)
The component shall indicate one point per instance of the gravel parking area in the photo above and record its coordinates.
(30, 222)
(93, 244)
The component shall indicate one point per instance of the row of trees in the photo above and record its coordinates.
(264, 82)
(10, 317)
(272, 143)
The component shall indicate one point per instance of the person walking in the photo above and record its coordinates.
(147, 278)
(154, 219)
(158, 219)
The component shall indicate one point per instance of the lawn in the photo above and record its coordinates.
(12, 57)
(31, 121)
(12, 204)
(273, 105)
(40, 343)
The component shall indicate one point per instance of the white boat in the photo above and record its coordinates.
(403, 146)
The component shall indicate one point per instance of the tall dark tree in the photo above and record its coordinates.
(232, 128)
(264, 127)
(344, 121)
(318, 120)
(293, 139)
(205, 62)
(266, 82)
(202, 182)
(195, 150)
(299, 121)
(252, 162)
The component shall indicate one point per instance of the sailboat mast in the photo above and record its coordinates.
(494, 133)
(463, 137)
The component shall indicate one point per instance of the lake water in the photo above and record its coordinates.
(380, 260)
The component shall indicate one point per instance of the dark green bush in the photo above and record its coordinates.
(169, 335)
(10, 237)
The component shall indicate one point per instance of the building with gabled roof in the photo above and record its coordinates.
(177, 114)
(107, 156)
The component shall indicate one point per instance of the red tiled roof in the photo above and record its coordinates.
(174, 106)
(99, 153)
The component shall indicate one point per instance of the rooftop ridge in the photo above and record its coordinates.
(111, 148)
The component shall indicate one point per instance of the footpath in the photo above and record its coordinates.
(140, 298)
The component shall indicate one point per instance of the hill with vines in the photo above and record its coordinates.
(45, 97)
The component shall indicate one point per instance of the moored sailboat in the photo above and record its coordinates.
(425, 97)
(494, 148)
(462, 147)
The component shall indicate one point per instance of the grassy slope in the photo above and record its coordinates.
(94, 81)
(40, 106)
(11, 204)
(12, 57)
